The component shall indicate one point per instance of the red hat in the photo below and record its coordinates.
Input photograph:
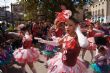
(63, 16)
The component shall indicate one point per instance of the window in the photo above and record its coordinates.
(95, 12)
(98, 12)
(102, 12)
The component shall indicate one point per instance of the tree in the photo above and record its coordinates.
(50, 6)
(30, 8)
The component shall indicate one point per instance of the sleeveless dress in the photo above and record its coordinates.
(67, 61)
(26, 55)
(92, 45)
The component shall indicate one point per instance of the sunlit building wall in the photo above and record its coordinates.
(100, 11)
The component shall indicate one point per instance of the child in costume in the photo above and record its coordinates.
(61, 18)
(6, 57)
(101, 61)
(67, 60)
(50, 50)
(92, 46)
(27, 54)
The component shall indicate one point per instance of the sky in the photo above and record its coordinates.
(8, 3)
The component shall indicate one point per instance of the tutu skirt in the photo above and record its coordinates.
(56, 66)
(48, 53)
(26, 55)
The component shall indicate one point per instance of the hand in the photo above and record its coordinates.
(78, 30)
(36, 38)
(57, 12)
(40, 40)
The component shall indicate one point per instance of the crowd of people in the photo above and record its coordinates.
(60, 43)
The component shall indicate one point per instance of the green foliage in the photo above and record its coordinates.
(30, 8)
(49, 7)
(10, 29)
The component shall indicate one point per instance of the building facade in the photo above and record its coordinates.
(18, 12)
(5, 15)
(100, 11)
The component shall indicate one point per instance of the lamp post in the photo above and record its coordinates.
(12, 16)
(5, 13)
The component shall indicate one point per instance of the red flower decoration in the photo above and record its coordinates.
(64, 15)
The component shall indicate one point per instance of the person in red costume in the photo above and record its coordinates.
(61, 17)
(26, 54)
(99, 30)
(92, 45)
(67, 60)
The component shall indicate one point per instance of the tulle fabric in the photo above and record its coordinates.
(56, 66)
(26, 55)
(49, 51)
